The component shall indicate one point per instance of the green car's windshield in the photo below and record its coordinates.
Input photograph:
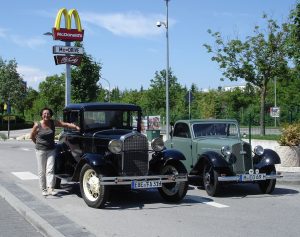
(215, 129)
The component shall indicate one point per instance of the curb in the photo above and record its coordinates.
(38, 222)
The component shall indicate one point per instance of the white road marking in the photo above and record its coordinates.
(25, 175)
(206, 201)
(215, 204)
(25, 149)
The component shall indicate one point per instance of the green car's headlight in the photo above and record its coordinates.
(258, 150)
(157, 144)
(115, 146)
(226, 150)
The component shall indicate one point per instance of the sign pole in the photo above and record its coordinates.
(68, 80)
(8, 121)
(189, 104)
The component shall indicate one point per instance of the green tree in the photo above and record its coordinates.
(293, 41)
(52, 93)
(156, 96)
(30, 98)
(11, 84)
(84, 79)
(257, 60)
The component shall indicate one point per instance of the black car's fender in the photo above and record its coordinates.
(214, 158)
(94, 160)
(160, 159)
(270, 157)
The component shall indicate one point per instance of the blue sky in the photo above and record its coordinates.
(123, 37)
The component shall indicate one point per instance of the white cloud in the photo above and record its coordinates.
(33, 76)
(3, 33)
(132, 24)
(30, 42)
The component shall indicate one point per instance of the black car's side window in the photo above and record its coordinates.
(182, 130)
(72, 117)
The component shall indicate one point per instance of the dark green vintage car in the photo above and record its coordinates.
(216, 154)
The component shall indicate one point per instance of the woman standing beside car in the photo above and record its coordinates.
(42, 134)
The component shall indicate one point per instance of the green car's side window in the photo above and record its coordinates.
(182, 130)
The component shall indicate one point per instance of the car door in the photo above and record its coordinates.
(182, 141)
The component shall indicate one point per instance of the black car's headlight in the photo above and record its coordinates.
(115, 146)
(258, 150)
(226, 150)
(157, 144)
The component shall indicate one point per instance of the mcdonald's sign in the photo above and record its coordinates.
(67, 34)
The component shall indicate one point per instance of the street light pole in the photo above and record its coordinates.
(166, 25)
(167, 74)
(108, 88)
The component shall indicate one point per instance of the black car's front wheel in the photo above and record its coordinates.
(175, 191)
(93, 193)
(210, 180)
(268, 186)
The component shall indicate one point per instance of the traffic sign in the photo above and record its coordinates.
(58, 49)
(275, 112)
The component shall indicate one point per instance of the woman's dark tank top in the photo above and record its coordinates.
(45, 137)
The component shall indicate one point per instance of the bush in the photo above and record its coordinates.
(2, 137)
(290, 135)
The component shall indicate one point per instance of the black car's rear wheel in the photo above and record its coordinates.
(176, 191)
(57, 183)
(268, 186)
(210, 180)
(93, 193)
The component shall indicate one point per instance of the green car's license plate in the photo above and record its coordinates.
(252, 177)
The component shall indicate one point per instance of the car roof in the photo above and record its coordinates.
(194, 121)
(102, 106)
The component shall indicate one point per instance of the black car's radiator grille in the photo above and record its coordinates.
(135, 155)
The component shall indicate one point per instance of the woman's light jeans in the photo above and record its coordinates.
(45, 165)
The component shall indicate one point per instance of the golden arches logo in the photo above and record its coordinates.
(68, 34)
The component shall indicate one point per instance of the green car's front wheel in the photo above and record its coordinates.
(210, 180)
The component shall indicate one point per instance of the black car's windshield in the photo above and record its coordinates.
(215, 129)
(105, 119)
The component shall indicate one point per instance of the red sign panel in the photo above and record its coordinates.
(73, 60)
(67, 34)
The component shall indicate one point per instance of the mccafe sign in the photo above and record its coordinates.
(67, 34)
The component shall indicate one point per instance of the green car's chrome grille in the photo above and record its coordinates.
(243, 161)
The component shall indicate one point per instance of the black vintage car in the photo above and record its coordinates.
(110, 150)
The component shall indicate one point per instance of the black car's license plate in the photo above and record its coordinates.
(140, 184)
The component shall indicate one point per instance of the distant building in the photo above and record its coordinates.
(231, 88)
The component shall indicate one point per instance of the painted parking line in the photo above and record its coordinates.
(215, 204)
(207, 201)
(26, 149)
(25, 175)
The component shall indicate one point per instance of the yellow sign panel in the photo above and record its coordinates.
(11, 117)
(67, 33)
(68, 18)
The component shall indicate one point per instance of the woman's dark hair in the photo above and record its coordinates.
(50, 111)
